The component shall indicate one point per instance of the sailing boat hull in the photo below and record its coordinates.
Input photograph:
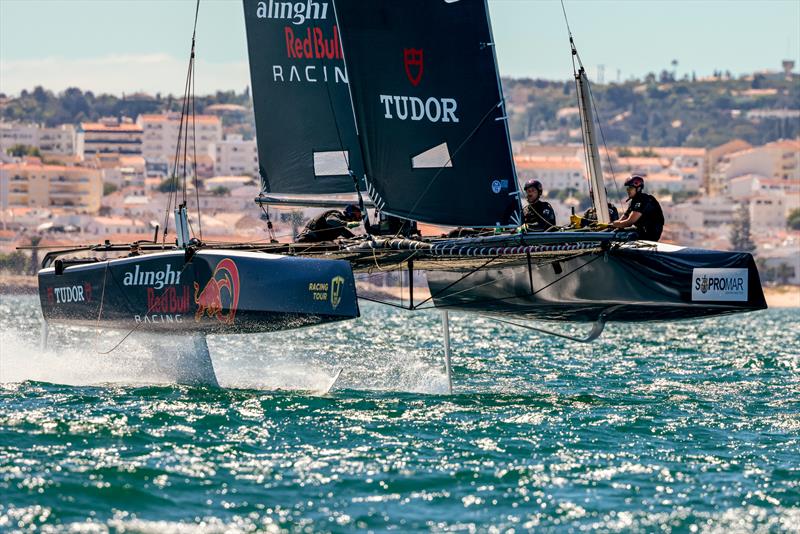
(629, 283)
(211, 291)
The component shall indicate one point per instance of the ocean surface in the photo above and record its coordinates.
(681, 427)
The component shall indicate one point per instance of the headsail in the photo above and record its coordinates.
(304, 119)
(429, 110)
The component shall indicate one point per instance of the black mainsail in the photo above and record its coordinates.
(430, 110)
(307, 140)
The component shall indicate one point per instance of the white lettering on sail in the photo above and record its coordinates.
(297, 12)
(434, 109)
(309, 74)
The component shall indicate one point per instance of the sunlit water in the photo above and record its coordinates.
(686, 427)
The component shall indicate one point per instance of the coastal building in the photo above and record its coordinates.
(160, 136)
(554, 172)
(109, 138)
(236, 156)
(30, 183)
(55, 141)
(778, 160)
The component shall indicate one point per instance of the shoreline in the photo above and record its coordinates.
(786, 296)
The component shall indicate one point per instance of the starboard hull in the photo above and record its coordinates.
(215, 291)
(629, 283)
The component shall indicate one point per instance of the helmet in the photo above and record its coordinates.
(635, 181)
(533, 183)
(352, 212)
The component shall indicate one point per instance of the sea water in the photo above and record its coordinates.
(670, 427)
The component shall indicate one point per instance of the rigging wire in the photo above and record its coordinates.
(575, 55)
(183, 127)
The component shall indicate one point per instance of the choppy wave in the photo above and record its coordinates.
(679, 427)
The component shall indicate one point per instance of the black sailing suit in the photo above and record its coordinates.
(539, 216)
(651, 222)
(326, 226)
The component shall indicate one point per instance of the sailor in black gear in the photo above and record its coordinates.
(644, 212)
(590, 216)
(330, 225)
(537, 215)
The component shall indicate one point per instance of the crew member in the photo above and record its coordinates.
(331, 225)
(644, 212)
(538, 215)
(590, 216)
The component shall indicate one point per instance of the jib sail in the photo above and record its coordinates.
(304, 119)
(429, 110)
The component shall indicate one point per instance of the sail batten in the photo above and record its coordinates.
(429, 110)
(304, 120)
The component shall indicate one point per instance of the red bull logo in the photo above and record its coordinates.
(220, 292)
(412, 59)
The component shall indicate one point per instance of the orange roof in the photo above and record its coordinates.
(176, 118)
(547, 163)
(635, 161)
(679, 151)
(793, 144)
(100, 127)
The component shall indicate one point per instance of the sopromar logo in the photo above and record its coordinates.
(337, 283)
(719, 285)
(413, 62)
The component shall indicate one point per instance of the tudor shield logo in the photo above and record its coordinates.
(719, 285)
(412, 60)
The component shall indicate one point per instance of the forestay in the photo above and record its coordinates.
(304, 119)
(429, 110)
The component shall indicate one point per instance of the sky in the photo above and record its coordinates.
(125, 46)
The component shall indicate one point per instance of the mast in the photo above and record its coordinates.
(599, 199)
(597, 184)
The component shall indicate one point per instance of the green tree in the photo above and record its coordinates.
(167, 185)
(19, 151)
(741, 239)
(109, 188)
(793, 220)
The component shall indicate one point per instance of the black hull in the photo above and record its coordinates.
(216, 291)
(629, 283)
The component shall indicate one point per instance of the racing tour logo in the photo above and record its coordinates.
(336, 291)
(220, 292)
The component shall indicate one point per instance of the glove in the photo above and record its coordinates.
(575, 220)
(354, 224)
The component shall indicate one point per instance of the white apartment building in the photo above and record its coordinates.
(703, 213)
(752, 185)
(553, 172)
(56, 141)
(778, 160)
(109, 138)
(160, 136)
(235, 156)
(767, 211)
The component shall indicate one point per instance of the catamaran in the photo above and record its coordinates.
(401, 103)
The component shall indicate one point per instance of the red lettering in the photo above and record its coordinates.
(314, 45)
(289, 39)
(307, 46)
(319, 43)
